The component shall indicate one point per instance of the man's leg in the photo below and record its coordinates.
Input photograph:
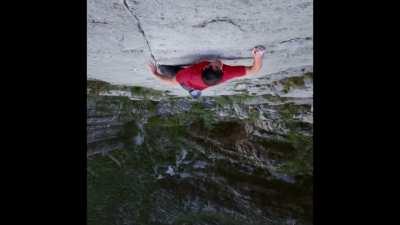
(168, 70)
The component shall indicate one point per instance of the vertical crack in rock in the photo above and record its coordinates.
(140, 30)
(216, 20)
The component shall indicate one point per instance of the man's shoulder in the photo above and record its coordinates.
(183, 75)
(194, 68)
(230, 72)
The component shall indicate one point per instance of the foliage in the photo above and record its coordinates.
(207, 218)
(145, 92)
(95, 87)
(293, 82)
(197, 113)
(302, 162)
(112, 189)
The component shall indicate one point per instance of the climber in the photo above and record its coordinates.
(199, 76)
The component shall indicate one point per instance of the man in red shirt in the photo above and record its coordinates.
(197, 77)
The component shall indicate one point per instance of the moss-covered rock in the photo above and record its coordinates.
(295, 82)
(199, 165)
(96, 87)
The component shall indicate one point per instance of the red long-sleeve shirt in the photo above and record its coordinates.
(191, 76)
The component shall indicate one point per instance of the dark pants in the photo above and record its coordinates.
(168, 70)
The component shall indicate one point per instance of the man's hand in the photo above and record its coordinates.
(152, 68)
(258, 53)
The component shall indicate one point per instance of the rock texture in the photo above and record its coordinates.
(241, 154)
(124, 34)
(156, 159)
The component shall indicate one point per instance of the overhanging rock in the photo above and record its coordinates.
(124, 35)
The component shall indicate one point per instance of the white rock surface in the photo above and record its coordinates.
(124, 34)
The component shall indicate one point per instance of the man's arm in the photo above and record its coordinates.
(163, 79)
(258, 55)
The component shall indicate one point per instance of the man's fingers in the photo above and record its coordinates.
(151, 67)
(258, 51)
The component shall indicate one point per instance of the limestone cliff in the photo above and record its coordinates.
(156, 159)
(124, 34)
(241, 154)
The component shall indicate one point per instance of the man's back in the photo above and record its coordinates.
(192, 76)
(202, 75)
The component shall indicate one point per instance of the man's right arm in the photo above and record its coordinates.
(257, 62)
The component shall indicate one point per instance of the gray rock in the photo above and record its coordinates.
(124, 35)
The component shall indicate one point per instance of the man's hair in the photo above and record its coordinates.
(210, 76)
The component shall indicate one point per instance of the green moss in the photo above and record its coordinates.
(240, 99)
(254, 115)
(292, 82)
(101, 201)
(273, 98)
(152, 106)
(278, 148)
(129, 130)
(96, 87)
(295, 82)
(208, 218)
(107, 105)
(244, 99)
(157, 121)
(288, 111)
(309, 75)
(223, 100)
(145, 92)
(231, 99)
(115, 188)
(302, 162)
(295, 151)
(199, 113)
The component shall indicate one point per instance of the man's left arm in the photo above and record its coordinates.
(163, 79)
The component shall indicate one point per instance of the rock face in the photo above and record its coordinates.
(155, 159)
(241, 154)
(124, 34)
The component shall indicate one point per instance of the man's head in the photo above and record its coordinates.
(212, 73)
